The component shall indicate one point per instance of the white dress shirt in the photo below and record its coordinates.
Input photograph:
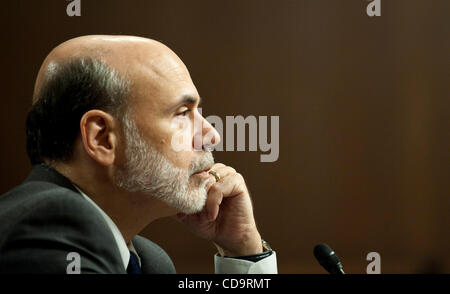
(223, 265)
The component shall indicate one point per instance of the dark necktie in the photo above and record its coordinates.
(133, 265)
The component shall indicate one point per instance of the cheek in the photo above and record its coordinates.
(180, 133)
(181, 159)
(176, 145)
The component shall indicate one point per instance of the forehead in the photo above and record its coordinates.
(159, 80)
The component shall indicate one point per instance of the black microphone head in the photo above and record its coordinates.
(328, 259)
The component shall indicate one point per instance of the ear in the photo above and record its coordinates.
(99, 135)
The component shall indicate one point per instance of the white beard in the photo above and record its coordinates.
(147, 171)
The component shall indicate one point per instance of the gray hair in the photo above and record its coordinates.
(69, 90)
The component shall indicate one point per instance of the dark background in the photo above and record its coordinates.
(363, 105)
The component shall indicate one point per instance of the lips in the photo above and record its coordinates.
(204, 170)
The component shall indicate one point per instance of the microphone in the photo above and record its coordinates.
(328, 259)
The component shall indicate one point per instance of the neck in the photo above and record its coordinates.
(131, 212)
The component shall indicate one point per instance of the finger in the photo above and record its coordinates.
(211, 181)
(230, 186)
(216, 190)
(213, 202)
(222, 170)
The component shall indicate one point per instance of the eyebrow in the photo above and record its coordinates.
(186, 99)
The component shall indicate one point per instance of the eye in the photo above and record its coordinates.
(184, 113)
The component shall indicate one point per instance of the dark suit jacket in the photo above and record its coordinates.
(45, 218)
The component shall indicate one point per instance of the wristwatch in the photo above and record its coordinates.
(267, 251)
(266, 246)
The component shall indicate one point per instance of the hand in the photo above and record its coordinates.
(227, 218)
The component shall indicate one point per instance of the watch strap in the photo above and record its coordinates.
(267, 251)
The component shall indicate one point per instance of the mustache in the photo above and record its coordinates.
(205, 161)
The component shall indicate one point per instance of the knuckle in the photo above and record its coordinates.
(232, 170)
(213, 189)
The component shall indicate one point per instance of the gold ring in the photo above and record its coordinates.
(215, 174)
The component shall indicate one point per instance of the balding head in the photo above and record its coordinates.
(127, 55)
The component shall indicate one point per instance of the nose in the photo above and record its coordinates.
(205, 135)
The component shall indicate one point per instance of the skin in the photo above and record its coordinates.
(159, 82)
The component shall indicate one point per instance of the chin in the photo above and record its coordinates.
(192, 202)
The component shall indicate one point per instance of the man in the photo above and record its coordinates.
(100, 136)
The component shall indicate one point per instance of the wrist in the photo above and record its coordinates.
(267, 251)
(251, 247)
